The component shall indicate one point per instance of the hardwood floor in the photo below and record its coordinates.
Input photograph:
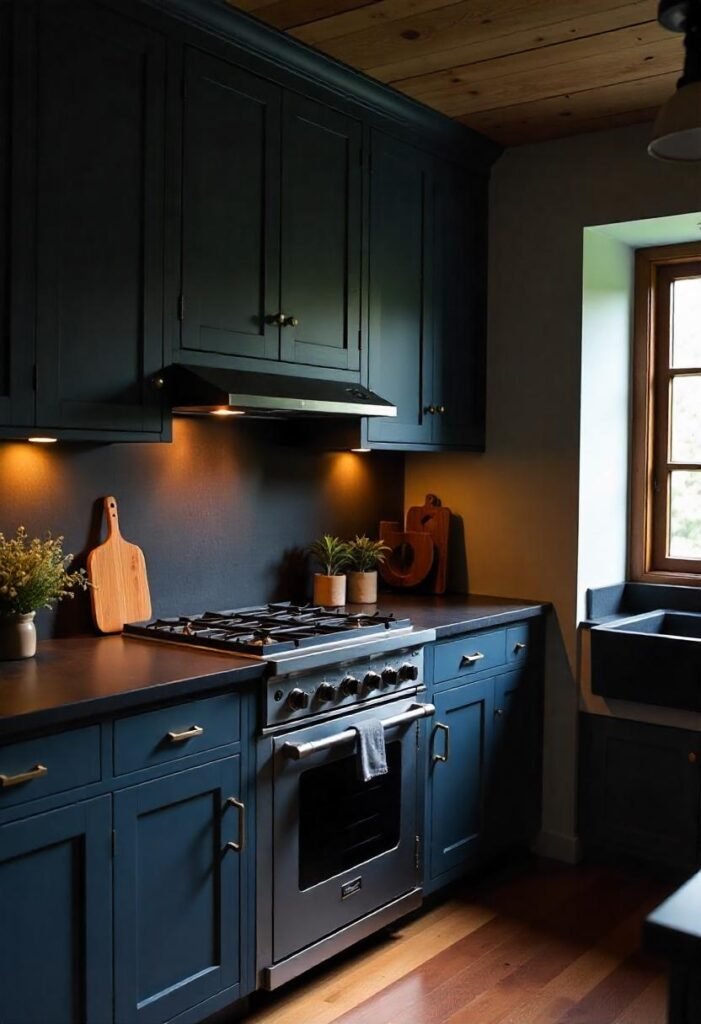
(542, 943)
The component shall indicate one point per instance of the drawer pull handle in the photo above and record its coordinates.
(446, 730)
(16, 780)
(519, 647)
(238, 804)
(187, 734)
(472, 659)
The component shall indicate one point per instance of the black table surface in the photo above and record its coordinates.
(88, 676)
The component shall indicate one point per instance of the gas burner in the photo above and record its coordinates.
(272, 629)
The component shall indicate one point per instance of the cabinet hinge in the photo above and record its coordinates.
(181, 306)
(417, 852)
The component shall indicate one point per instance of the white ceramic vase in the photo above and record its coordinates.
(18, 637)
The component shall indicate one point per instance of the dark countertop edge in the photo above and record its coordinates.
(502, 618)
(673, 929)
(126, 700)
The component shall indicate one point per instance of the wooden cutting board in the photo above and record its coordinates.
(117, 571)
(410, 558)
(434, 519)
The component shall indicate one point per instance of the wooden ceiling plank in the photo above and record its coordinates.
(382, 13)
(285, 14)
(548, 131)
(468, 23)
(569, 67)
(530, 119)
(463, 53)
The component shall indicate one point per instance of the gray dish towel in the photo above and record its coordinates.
(372, 757)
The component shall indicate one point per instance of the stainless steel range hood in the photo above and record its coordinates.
(197, 390)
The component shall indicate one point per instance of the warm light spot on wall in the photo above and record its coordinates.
(42, 440)
(28, 472)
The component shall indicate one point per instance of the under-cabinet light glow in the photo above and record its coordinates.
(42, 440)
(361, 450)
(227, 412)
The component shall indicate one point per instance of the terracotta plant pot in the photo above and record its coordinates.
(362, 587)
(329, 591)
(18, 637)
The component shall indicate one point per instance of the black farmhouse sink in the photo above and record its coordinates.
(654, 658)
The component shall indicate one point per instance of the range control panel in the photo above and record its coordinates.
(346, 685)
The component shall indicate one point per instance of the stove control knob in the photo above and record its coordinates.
(407, 671)
(390, 676)
(372, 681)
(298, 699)
(325, 692)
(350, 686)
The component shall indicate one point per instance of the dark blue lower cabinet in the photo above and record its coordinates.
(55, 928)
(177, 872)
(459, 758)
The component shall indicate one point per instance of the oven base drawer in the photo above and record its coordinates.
(280, 973)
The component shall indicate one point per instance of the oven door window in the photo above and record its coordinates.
(344, 821)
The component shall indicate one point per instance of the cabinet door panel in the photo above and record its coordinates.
(513, 794)
(177, 906)
(458, 784)
(399, 344)
(321, 234)
(460, 285)
(230, 210)
(101, 95)
(55, 936)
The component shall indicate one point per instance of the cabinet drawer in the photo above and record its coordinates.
(470, 655)
(519, 642)
(157, 737)
(50, 764)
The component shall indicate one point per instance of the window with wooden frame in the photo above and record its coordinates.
(666, 449)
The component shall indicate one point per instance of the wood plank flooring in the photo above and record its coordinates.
(539, 943)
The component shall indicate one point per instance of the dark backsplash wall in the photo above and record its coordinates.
(223, 514)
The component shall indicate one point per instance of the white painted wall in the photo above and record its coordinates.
(520, 500)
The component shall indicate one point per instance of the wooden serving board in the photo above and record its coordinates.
(432, 518)
(117, 570)
(410, 558)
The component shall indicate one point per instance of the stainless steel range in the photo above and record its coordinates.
(337, 857)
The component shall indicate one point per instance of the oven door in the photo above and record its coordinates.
(342, 847)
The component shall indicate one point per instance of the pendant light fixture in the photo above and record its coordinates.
(677, 130)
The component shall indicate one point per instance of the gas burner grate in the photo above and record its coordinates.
(269, 629)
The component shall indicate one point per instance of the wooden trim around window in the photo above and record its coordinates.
(650, 394)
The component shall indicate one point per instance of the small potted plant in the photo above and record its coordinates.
(364, 557)
(330, 585)
(33, 574)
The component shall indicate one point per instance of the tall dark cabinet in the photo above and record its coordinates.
(100, 195)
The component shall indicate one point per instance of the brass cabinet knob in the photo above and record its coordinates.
(278, 319)
(290, 321)
(440, 410)
(158, 382)
(499, 712)
(430, 409)
(693, 757)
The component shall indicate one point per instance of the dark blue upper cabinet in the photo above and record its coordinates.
(100, 211)
(460, 756)
(321, 235)
(400, 348)
(231, 210)
(460, 297)
(55, 938)
(177, 892)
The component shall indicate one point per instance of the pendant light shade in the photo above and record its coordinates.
(677, 130)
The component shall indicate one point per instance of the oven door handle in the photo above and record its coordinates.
(298, 751)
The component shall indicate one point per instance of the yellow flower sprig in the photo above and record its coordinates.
(34, 573)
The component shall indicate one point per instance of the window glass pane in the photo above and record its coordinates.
(686, 419)
(686, 323)
(685, 514)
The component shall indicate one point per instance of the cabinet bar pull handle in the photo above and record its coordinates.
(238, 804)
(298, 751)
(446, 730)
(187, 734)
(519, 647)
(472, 659)
(16, 780)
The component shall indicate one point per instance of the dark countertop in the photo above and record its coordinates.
(89, 676)
(673, 930)
(72, 679)
(453, 614)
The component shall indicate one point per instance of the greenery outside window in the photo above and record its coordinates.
(666, 449)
